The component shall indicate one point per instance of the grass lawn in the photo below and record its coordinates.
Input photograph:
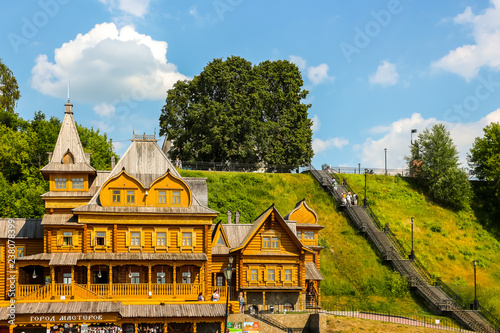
(354, 273)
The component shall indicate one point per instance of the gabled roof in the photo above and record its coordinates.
(218, 231)
(68, 141)
(258, 224)
(145, 161)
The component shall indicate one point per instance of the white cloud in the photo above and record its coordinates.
(299, 61)
(316, 123)
(318, 74)
(396, 138)
(107, 65)
(385, 75)
(104, 109)
(467, 60)
(319, 145)
(131, 7)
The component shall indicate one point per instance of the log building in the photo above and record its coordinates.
(131, 250)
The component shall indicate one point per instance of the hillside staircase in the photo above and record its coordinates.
(439, 297)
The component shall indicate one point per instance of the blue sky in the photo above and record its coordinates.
(374, 69)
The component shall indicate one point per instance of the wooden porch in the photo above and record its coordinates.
(121, 291)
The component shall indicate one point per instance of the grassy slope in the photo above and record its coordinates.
(353, 271)
(445, 242)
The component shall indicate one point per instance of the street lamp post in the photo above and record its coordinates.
(364, 199)
(476, 302)
(411, 136)
(359, 168)
(385, 152)
(228, 272)
(412, 253)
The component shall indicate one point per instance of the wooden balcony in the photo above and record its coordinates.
(121, 291)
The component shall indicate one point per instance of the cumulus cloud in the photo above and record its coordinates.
(104, 109)
(107, 65)
(318, 74)
(131, 7)
(385, 75)
(320, 145)
(299, 61)
(316, 123)
(467, 60)
(396, 138)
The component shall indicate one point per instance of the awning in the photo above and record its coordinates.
(70, 259)
(312, 272)
(173, 310)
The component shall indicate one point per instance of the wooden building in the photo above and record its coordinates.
(132, 249)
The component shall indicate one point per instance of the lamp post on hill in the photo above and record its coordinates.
(412, 253)
(476, 302)
(385, 153)
(364, 199)
(228, 272)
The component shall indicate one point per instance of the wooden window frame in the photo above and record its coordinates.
(154, 239)
(60, 239)
(272, 235)
(266, 275)
(284, 280)
(250, 281)
(60, 181)
(130, 196)
(23, 251)
(118, 195)
(77, 181)
(162, 196)
(180, 237)
(176, 199)
(308, 233)
(107, 239)
(128, 240)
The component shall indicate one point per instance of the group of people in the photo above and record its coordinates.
(216, 297)
(349, 199)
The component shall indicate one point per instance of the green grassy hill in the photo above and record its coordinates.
(446, 242)
(354, 273)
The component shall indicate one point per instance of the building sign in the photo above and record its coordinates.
(66, 318)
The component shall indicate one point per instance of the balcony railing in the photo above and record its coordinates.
(118, 291)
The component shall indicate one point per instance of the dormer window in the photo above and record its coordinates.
(131, 197)
(308, 234)
(68, 158)
(60, 183)
(162, 197)
(176, 197)
(77, 183)
(116, 196)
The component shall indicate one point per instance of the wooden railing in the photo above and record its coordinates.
(184, 289)
(26, 289)
(62, 289)
(81, 292)
(43, 292)
(100, 291)
(129, 289)
(162, 289)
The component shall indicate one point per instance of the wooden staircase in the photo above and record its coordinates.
(390, 249)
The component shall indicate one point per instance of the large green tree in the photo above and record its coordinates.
(9, 95)
(484, 161)
(434, 160)
(234, 111)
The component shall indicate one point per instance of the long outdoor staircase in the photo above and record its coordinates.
(438, 296)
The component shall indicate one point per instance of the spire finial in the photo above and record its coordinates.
(68, 84)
